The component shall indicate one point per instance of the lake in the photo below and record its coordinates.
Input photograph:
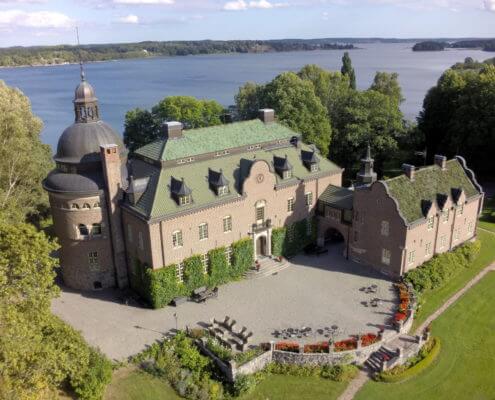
(126, 84)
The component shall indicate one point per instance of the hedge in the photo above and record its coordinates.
(160, 286)
(416, 369)
(440, 268)
(282, 246)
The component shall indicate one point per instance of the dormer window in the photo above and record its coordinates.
(218, 183)
(310, 160)
(283, 167)
(180, 192)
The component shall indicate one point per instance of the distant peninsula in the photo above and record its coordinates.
(66, 54)
(437, 45)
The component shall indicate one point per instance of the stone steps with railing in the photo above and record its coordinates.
(267, 267)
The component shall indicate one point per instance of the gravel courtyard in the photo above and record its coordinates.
(313, 291)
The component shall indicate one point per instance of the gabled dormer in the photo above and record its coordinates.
(310, 160)
(218, 183)
(180, 191)
(282, 166)
(456, 194)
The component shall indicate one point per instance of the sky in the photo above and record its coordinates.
(45, 22)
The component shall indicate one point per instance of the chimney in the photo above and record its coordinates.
(267, 115)
(441, 161)
(409, 170)
(172, 130)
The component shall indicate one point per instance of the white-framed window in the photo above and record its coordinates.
(93, 261)
(179, 271)
(83, 230)
(140, 240)
(309, 198)
(183, 200)
(470, 228)
(223, 190)
(177, 239)
(228, 254)
(204, 261)
(412, 256)
(260, 213)
(287, 174)
(428, 249)
(386, 256)
(129, 233)
(227, 223)
(443, 241)
(203, 231)
(445, 216)
(385, 228)
(460, 209)
(314, 167)
(290, 204)
(430, 223)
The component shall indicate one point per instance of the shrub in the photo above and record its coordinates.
(368, 339)
(219, 267)
(244, 384)
(246, 356)
(339, 373)
(90, 384)
(440, 268)
(219, 350)
(194, 276)
(282, 246)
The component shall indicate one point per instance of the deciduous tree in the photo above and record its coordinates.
(348, 70)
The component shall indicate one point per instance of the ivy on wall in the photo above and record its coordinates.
(291, 239)
(160, 286)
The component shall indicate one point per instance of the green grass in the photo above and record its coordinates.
(464, 368)
(487, 219)
(281, 387)
(433, 299)
(131, 384)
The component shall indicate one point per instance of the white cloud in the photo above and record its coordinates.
(489, 5)
(37, 19)
(129, 19)
(144, 2)
(22, 1)
(239, 5)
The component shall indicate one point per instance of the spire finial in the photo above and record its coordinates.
(83, 77)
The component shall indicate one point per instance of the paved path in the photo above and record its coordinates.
(364, 375)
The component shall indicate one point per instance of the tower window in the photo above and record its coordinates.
(96, 229)
(86, 206)
(83, 230)
(74, 206)
(227, 223)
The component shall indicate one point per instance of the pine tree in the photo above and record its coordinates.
(348, 70)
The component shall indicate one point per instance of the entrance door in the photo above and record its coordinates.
(261, 246)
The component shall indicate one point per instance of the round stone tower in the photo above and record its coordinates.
(84, 190)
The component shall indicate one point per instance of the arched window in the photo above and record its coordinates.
(86, 206)
(96, 229)
(74, 206)
(83, 230)
(97, 205)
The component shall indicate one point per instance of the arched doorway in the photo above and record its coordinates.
(333, 236)
(261, 246)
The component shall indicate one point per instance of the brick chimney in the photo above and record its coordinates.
(267, 115)
(441, 161)
(409, 170)
(172, 130)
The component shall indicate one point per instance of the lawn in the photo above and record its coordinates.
(433, 299)
(132, 384)
(487, 219)
(280, 387)
(464, 369)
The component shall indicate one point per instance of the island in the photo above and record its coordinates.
(430, 45)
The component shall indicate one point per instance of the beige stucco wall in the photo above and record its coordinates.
(259, 186)
(74, 250)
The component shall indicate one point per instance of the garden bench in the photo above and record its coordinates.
(200, 296)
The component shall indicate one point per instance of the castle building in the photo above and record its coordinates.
(196, 190)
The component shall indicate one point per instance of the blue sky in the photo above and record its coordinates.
(29, 22)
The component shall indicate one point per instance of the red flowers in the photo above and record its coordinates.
(400, 316)
(368, 339)
(344, 345)
(287, 346)
(322, 347)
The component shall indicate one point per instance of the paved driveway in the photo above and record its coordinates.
(313, 291)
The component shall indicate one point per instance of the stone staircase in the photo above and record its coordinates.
(376, 359)
(268, 267)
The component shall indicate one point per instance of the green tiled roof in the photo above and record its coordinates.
(157, 202)
(427, 184)
(338, 197)
(215, 138)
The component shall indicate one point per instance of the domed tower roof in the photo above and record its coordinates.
(80, 143)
